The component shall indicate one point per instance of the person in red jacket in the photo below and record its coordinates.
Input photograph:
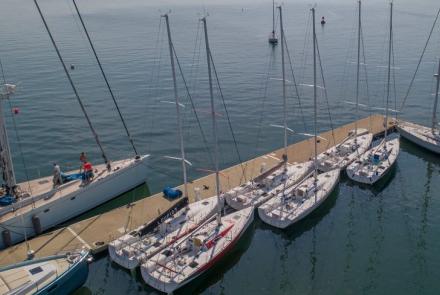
(88, 171)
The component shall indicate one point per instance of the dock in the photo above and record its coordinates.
(96, 232)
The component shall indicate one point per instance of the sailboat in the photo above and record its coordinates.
(377, 161)
(281, 176)
(358, 140)
(296, 202)
(59, 274)
(426, 137)
(184, 261)
(273, 37)
(139, 245)
(41, 203)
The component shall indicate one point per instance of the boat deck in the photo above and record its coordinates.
(41, 190)
(96, 232)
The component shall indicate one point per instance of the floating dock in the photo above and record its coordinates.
(96, 232)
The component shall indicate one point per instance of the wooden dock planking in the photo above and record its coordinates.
(96, 232)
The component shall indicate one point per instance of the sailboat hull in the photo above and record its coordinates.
(420, 135)
(48, 212)
(171, 285)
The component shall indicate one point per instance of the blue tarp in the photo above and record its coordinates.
(172, 193)
(7, 200)
(70, 177)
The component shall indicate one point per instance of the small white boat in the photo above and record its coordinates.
(61, 274)
(420, 135)
(375, 163)
(298, 201)
(257, 192)
(183, 262)
(139, 245)
(341, 155)
(273, 37)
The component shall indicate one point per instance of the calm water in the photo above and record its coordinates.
(378, 241)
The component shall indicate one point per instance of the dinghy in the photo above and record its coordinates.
(142, 243)
(183, 262)
(294, 203)
(60, 274)
(376, 162)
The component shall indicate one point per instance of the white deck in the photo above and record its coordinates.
(41, 192)
(178, 265)
(341, 155)
(298, 201)
(367, 171)
(132, 249)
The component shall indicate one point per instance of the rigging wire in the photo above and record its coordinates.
(419, 62)
(367, 87)
(295, 84)
(105, 79)
(243, 168)
(104, 156)
(325, 92)
(205, 141)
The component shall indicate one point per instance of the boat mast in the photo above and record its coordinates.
(176, 97)
(434, 112)
(315, 106)
(357, 73)
(214, 121)
(273, 18)
(104, 156)
(105, 78)
(284, 87)
(5, 153)
(389, 69)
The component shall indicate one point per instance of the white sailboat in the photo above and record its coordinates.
(184, 261)
(273, 37)
(139, 245)
(428, 138)
(285, 175)
(32, 207)
(377, 161)
(296, 202)
(358, 140)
